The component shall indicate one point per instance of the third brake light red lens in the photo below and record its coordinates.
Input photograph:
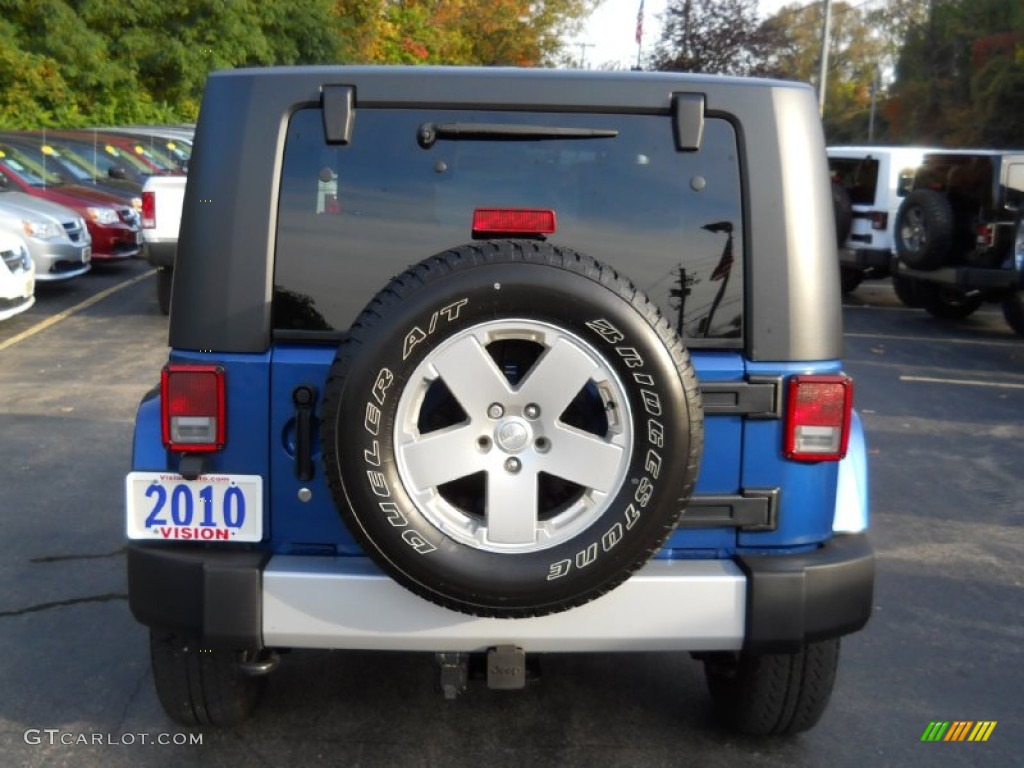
(513, 221)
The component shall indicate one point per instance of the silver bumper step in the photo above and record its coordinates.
(348, 603)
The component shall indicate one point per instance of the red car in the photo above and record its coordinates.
(114, 225)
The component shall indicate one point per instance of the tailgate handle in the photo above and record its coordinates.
(304, 398)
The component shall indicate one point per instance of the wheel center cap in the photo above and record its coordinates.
(512, 434)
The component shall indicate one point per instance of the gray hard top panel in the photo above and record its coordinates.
(224, 280)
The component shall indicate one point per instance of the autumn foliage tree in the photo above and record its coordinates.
(960, 76)
(66, 63)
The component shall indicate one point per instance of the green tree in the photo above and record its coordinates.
(789, 47)
(80, 62)
(76, 62)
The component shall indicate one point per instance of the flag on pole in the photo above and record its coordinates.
(640, 23)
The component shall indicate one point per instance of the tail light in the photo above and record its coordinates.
(818, 410)
(192, 403)
(879, 220)
(148, 210)
(525, 222)
(986, 235)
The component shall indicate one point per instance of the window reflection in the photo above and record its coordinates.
(351, 217)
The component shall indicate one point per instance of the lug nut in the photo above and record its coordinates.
(532, 411)
(512, 464)
(495, 410)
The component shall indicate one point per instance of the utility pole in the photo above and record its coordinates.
(826, 30)
(874, 97)
(680, 292)
(583, 53)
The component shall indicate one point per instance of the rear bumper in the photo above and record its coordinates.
(764, 603)
(970, 278)
(865, 258)
(159, 253)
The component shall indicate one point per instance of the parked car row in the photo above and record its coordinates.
(946, 224)
(69, 198)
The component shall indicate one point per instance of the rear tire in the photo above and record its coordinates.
(924, 229)
(199, 686)
(773, 694)
(909, 291)
(850, 278)
(947, 303)
(1013, 311)
(843, 209)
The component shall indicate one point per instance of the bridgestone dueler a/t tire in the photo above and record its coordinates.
(924, 229)
(198, 686)
(511, 429)
(773, 694)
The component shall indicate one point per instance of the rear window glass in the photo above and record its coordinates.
(351, 217)
(858, 176)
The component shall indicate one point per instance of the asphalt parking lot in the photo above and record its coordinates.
(943, 405)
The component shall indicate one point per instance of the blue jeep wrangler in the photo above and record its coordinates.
(484, 363)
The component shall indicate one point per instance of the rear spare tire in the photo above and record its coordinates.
(511, 429)
(924, 229)
(843, 209)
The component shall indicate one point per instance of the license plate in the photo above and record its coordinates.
(166, 506)
(86, 254)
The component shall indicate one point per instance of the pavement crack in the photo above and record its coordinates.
(62, 603)
(61, 558)
(131, 699)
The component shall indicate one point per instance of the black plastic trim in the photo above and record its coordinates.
(215, 594)
(160, 254)
(757, 398)
(967, 277)
(865, 258)
(688, 120)
(339, 113)
(751, 510)
(793, 599)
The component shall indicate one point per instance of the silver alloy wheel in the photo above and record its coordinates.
(913, 230)
(514, 435)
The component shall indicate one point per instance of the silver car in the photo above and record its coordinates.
(57, 238)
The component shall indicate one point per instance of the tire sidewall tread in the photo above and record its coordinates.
(500, 584)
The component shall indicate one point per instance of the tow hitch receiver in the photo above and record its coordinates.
(505, 668)
(453, 672)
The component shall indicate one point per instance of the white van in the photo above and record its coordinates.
(876, 179)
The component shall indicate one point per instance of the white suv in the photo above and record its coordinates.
(876, 180)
